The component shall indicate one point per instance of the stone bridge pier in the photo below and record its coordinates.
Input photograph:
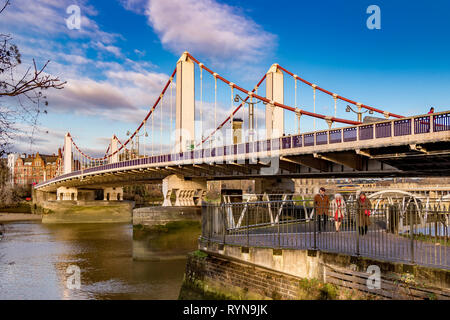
(188, 193)
(75, 194)
(78, 205)
(113, 194)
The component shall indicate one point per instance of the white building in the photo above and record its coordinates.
(12, 157)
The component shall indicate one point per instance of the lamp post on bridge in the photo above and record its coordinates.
(145, 134)
(359, 112)
(251, 113)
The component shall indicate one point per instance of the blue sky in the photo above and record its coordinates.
(119, 60)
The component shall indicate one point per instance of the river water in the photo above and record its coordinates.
(34, 261)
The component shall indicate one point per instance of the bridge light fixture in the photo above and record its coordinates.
(238, 97)
(358, 113)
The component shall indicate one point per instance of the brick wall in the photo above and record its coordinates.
(300, 274)
(240, 280)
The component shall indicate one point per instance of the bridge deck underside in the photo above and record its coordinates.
(434, 159)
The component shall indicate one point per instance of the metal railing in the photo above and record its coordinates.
(385, 129)
(394, 232)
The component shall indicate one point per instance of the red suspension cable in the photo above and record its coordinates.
(136, 131)
(338, 96)
(249, 94)
(316, 115)
(232, 114)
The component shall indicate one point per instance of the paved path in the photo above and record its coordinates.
(377, 243)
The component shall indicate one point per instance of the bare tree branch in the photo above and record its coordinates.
(37, 81)
(4, 6)
(30, 86)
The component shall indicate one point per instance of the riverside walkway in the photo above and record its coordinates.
(428, 246)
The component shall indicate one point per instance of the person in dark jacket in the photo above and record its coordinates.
(321, 207)
(364, 208)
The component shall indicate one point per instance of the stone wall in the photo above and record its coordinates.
(236, 280)
(164, 233)
(221, 278)
(151, 216)
(342, 271)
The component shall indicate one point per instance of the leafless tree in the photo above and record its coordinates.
(23, 90)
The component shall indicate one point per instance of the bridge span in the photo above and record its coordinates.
(402, 146)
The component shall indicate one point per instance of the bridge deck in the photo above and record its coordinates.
(418, 145)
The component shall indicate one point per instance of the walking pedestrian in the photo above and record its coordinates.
(338, 209)
(363, 206)
(2, 231)
(431, 110)
(321, 205)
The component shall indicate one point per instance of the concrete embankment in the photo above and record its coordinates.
(85, 211)
(165, 233)
(234, 272)
(151, 216)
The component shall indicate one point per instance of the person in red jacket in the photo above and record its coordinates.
(364, 207)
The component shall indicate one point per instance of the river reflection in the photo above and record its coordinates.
(34, 258)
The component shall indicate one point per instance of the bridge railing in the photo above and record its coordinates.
(386, 232)
(421, 124)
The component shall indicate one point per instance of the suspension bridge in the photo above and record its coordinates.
(259, 137)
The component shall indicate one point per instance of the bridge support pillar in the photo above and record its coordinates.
(113, 194)
(187, 193)
(114, 143)
(185, 104)
(274, 92)
(64, 193)
(67, 154)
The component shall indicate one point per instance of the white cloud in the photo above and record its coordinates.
(147, 80)
(121, 90)
(109, 48)
(207, 28)
(41, 139)
(139, 52)
(137, 6)
(123, 96)
(47, 18)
